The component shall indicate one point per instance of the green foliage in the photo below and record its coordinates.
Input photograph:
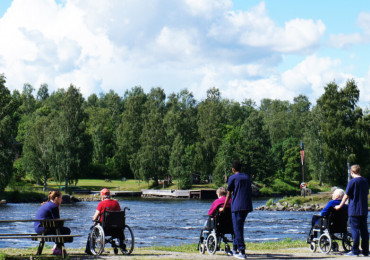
(340, 130)
(269, 202)
(282, 187)
(8, 145)
(153, 136)
(152, 157)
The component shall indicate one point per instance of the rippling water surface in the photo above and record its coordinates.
(159, 222)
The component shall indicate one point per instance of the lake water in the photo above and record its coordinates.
(159, 222)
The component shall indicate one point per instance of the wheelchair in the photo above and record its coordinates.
(113, 230)
(219, 230)
(328, 229)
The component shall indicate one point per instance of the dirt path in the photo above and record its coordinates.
(294, 253)
(138, 254)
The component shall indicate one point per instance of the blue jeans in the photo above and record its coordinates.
(238, 225)
(359, 229)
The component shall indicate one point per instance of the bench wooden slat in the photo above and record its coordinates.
(34, 220)
(27, 234)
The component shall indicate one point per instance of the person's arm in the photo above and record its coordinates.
(96, 215)
(228, 196)
(325, 210)
(342, 202)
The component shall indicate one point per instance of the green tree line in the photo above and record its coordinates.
(153, 136)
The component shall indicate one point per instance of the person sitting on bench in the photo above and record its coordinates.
(50, 210)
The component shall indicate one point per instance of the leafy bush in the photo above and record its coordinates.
(280, 187)
(269, 202)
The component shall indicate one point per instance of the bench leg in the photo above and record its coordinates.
(41, 247)
(63, 250)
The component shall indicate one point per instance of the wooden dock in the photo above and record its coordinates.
(180, 194)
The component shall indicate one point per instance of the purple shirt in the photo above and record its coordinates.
(49, 210)
(216, 204)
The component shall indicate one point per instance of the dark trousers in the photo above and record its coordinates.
(238, 225)
(62, 231)
(359, 229)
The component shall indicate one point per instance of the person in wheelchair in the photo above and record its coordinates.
(106, 203)
(327, 223)
(210, 223)
(337, 197)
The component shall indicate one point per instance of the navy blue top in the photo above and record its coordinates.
(331, 204)
(357, 191)
(49, 210)
(240, 186)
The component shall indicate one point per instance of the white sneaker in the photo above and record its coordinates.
(240, 256)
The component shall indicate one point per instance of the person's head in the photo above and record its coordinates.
(338, 194)
(55, 197)
(221, 191)
(355, 169)
(104, 194)
(236, 166)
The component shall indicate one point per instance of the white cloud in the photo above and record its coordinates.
(208, 7)
(308, 77)
(342, 40)
(255, 29)
(117, 44)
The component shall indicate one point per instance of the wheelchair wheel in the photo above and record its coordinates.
(201, 247)
(211, 244)
(127, 244)
(325, 243)
(313, 247)
(97, 240)
(347, 242)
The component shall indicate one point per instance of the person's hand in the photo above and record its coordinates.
(337, 207)
(220, 209)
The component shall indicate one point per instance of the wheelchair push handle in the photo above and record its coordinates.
(124, 209)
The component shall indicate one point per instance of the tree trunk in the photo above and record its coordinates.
(66, 186)
(45, 184)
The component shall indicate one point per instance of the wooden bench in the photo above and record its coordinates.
(48, 224)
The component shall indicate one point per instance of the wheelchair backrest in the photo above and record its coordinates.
(337, 220)
(114, 220)
(224, 223)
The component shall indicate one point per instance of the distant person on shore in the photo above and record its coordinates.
(337, 197)
(240, 188)
(50, 210)
(357, 192)
(106, 203)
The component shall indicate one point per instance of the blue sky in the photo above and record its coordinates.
(247, 49)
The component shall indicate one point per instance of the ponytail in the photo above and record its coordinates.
(52, 195)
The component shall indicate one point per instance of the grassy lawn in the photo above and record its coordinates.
(192, 248)
(14, 253)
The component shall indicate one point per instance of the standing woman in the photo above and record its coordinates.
(50, 210)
